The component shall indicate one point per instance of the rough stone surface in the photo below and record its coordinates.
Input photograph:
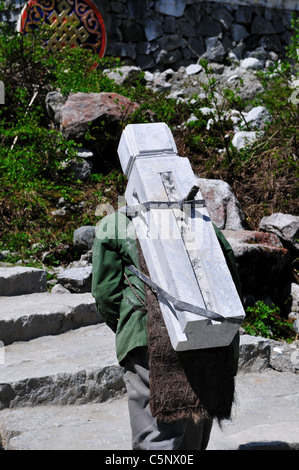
(285, 226)
(75, 367)
(244, 138)
(257, 118)
(29, 316)
(80, 109)
(18, 280)
(265, 417)
(261, 259)
(77, 279)
(223, 206)
(83, 237)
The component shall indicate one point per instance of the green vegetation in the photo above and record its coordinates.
(264, 176)
(264, 320)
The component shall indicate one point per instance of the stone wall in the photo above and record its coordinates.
(158, 34)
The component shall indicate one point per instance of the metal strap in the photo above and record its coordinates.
(136, 208)
(180, 305)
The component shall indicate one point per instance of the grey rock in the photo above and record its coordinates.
(54, 102)
(171, 7)
(209, 27)
(78, 169)
(59, 289)
(196, 46)
(76, 279)
(239, 32)
(237, 52)
(245, 138)
(294, 293)
(18, 280)
(251, 63)
(83, 237)
(224, 17)
(193, 69)
(257, 118)
(152, 28)
(254, 353)
(170, 42)
(215, 50)
(243, 15)
(285, 226)
(261, 26)
(224, 208)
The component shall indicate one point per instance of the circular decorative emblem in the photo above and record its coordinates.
(74, 23)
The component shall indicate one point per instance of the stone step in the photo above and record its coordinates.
(29, 316)
(75, 367)
(265, 416)
(18, 280)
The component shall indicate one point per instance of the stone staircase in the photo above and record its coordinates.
(61, 386)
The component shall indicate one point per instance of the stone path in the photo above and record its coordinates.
(62, 388)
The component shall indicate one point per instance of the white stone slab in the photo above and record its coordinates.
(142, 140)
(180, 247)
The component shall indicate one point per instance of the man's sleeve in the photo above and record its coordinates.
(107, 272)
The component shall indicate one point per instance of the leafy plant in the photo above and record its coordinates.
(264, 320)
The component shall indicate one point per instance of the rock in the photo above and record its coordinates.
(224, 208)
(81, 109)
(193, 69)
(261, 260)
(121, 74)
(285, 226)
(54, 102)
(78, 168)
(76, 279)
(294, 298)
(209, 27)
(257, 118)
(170, 7)
(224, 17)
(261, 26)
(152, 28)
(84, 237)
(243, 138)
(254, 353)
(18, 280)
(59, 289)
(84, 153)
(239, 32)
(215, 50)
(284, 356)
(237, 52)
(251, 63)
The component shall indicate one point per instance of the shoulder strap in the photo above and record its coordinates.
(180, 305)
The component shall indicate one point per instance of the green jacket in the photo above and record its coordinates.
(114, 249)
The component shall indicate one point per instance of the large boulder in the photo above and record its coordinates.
(82, 109)
(223, 206)
(285, 226)
(261, 259)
